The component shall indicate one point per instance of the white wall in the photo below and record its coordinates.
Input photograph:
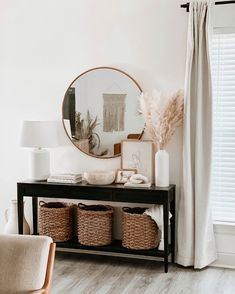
(46, 44)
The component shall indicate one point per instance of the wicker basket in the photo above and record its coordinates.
(95, 224)
(139, 230)
(56, 220)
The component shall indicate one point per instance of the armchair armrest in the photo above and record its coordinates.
(46, 289)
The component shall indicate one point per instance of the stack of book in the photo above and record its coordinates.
(65, 178)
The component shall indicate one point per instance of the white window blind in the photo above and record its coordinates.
(223, 158)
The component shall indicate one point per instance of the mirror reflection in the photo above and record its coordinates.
(100, 109)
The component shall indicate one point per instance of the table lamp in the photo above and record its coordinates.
(39, 135)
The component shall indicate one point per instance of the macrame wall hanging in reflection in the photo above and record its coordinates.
(114, 112)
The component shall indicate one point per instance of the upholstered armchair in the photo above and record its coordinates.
(26, 264)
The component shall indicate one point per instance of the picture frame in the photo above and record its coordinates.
(138, 154)
(123, 175)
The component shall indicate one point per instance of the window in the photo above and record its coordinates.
(223, 158)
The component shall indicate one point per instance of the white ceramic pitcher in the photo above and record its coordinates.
(11, 218)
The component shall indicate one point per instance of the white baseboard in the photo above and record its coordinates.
(225, 260)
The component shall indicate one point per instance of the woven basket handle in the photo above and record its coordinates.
(42, 202)
(81, 205)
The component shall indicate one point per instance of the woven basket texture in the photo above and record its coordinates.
(56, 220)
(94, 224)
(139, 230)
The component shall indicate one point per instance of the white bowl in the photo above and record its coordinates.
(100, 177)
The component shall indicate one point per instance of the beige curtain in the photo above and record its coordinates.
(196, 242)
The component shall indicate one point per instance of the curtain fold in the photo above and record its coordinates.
(196, 242)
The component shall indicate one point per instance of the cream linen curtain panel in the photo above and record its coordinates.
(196, 243)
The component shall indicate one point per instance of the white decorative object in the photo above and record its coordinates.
(100, 177)
(138, 179)
(124, 175)
(138, 155)
(162, 168)
(38, 134)
(156, 213)
(11, 218)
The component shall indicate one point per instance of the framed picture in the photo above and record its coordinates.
(123, 175)
(138, 155)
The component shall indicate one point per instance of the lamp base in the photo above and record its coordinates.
(39, 164)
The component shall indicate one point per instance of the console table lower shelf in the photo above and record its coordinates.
(114, 193)
(114, 247)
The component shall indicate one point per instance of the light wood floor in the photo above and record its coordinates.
(88, 274)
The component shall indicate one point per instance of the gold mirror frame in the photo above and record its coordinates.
(85, 72)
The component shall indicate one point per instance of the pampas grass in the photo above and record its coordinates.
(161, 121)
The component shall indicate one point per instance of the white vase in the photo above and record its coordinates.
(11, 218)
(162, 168)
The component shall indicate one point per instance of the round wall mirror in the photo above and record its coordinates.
(100, 109)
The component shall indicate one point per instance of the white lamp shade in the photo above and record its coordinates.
(63, 138)
(39, 134)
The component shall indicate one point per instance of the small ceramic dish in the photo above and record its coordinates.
(100, 177)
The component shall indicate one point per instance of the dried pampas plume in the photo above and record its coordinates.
(161, 121)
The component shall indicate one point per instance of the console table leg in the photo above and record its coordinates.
(35, 215)
(173, 228)
(166, 231)
(20, 206)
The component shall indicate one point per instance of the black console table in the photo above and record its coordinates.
(114, 193)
